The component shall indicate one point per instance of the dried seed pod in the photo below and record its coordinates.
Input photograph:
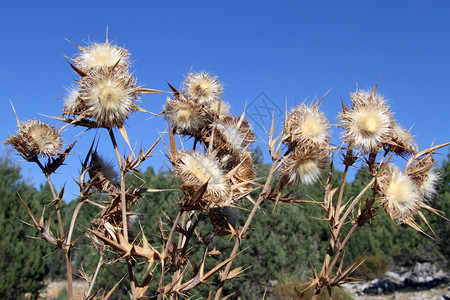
(368, 124)
(36, 138)
(202, 88)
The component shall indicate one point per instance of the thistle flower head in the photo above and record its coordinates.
(306, 124)
(242, 176)
(202, 88)
(221, 112)
(194, 170)
(108, 97)
(400, 195)
(368, 123)
(401, 141)
(233, 134)
(36, 138)
(303, 166)
(184, 115)
(101, 55)
(72, 103)
(422, 172)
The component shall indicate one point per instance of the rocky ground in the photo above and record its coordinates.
(423, 281)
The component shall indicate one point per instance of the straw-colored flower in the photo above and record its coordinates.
(36, 138)
(194, 170)
(101, 55)
(202, 87)
(306, 124)
(184, 115)
(368, 123)
(400, 195)
(108, 97)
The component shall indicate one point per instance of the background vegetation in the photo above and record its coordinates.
(281, 245)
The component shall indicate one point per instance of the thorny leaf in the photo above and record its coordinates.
(54, 163)
(45, 229)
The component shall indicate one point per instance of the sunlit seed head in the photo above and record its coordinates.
(102, 55)
(194, 170)
(307, 170)
(368, 123)
(222, 111)
(36, 138)
(202, 87)
(108, 97)
(401, 141)
(306, 124)
(428, 186)
(185, 117)
(233, 135)
(401, 198)
(72, 103)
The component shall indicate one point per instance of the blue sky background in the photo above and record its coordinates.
(290, 51)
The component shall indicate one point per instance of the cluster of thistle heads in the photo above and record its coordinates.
(368, 130)
(219, 170)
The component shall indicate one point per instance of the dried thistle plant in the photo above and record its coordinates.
(216, 175)
(371, 136)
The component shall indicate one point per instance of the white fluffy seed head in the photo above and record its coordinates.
(368, 123)
(184, 116)
(428, 186)
(36, 138)
(202, 88)
(72, 103)
(401, 198)
(194, 170)
(108, 97)
(100, 55)
(306, 124)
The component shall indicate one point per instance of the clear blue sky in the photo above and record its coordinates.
(288, 50)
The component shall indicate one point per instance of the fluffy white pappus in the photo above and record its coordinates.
(102, 55)
(428, 186)
(202, 87)
(305, 171)
(72, 102)
(401, 198)
(109, 98)
(368, 123)
(183, 115)
(231, 134)
(222, 111)
(196, 169)
(306, 124)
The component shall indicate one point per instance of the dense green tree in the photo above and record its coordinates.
(21, 262)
